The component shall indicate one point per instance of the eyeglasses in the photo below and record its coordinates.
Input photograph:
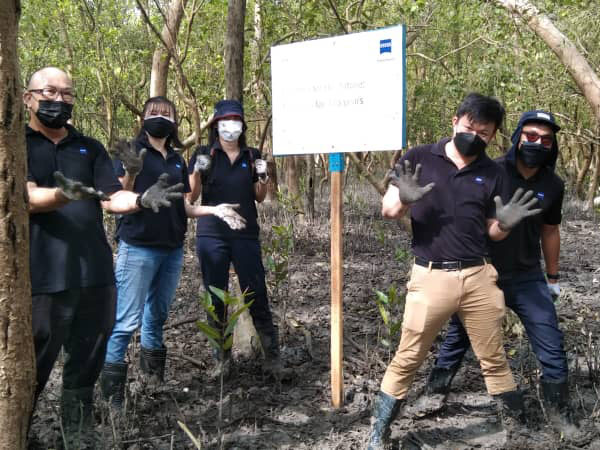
(51, 93)
(532, 136)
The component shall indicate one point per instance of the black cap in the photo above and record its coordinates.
(540, 116)
(227, 108)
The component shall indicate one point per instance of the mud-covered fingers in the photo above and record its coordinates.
(425, 189)
(517, 195)
(417, 173)
(174, 195)
(526, 197)
(175, 188)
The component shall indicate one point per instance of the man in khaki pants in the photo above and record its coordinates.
(454, 198)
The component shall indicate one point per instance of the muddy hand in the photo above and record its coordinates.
(160, 194)
(407, 183)
(126, 152)
(517, 209)
(75, 190)
(202, 164)
(225, 212)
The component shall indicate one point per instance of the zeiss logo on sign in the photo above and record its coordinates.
(385, 46)
(83, 151)
(479, 180)
(540, 195)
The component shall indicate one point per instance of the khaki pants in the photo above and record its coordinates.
(433, 296)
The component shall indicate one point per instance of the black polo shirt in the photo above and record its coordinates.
(68, 246)
(167, 227)
(450, 222)
(229, 183)
(520, 251)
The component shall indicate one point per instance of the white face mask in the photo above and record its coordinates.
(230, 130)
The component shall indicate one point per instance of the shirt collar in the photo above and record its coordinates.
(439, 150)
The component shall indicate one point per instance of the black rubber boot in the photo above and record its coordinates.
(152, 363)
(511, 409)
(385, 410)
(112, 383)
(77, 418)
(436, 391)
(269, 341)
(559, 410)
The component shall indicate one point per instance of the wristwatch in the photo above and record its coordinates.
(138, 201)
(552, 276)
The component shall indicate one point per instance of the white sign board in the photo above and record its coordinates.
(340, 94)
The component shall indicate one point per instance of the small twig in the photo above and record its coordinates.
(189, 359)
(181, 322)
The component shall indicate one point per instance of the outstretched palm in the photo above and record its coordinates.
(407, 182)
(517, 209)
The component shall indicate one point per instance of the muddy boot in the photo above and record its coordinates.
(152, 365)
(269, 342)
(112, 383)
(385, 410)
(560, 414)
(77, 418)
(511, 409)
(436, 391)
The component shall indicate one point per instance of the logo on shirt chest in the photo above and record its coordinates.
(478, 180)
(178, 165)
(83, 150)
(244, 165)
(540, 195)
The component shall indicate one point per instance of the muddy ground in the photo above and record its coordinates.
(296, 413)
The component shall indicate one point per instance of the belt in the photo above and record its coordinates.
(450, 265)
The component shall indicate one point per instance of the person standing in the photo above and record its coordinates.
(70, 179)
(528, 164)
(229, 171)
(150, 254)
(452, 215)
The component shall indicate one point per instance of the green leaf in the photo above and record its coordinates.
(228, 343)
(384, 314)
(220, 293)
(382, 297)
(234, 317)
(209, 331)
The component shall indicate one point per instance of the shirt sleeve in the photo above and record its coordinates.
(118, 167)
(553, 215)
(105, 179)
(502, 189)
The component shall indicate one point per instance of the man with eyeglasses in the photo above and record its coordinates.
(529, 165)
(70, 179)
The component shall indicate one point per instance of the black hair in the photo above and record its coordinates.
(482, 109)
(173, 138)
(213, 135)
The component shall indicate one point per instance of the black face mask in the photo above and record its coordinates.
(53, 114)
(159, 127)
(469, 144)
(533, 154)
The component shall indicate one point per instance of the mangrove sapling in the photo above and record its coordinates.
(220, 336)
(391, 310)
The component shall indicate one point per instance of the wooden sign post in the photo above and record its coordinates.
(336, 167)
(360, 87)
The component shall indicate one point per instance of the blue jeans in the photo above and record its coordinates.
(147, 278)
(528, 296)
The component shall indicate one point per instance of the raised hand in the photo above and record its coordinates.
(126, 152)
(260, 165)
(407, 182)
(225, 212)
(160, 194)
(75, 190)
(517, 209)
(203, 163)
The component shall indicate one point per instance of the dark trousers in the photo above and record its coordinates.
(81, 320)
(528, 296)
(215, 256)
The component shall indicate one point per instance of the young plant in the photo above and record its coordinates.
(221, 336)
(391, 309)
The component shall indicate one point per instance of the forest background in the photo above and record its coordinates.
(117, 61)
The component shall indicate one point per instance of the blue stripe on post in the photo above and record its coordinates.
(336, 162)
